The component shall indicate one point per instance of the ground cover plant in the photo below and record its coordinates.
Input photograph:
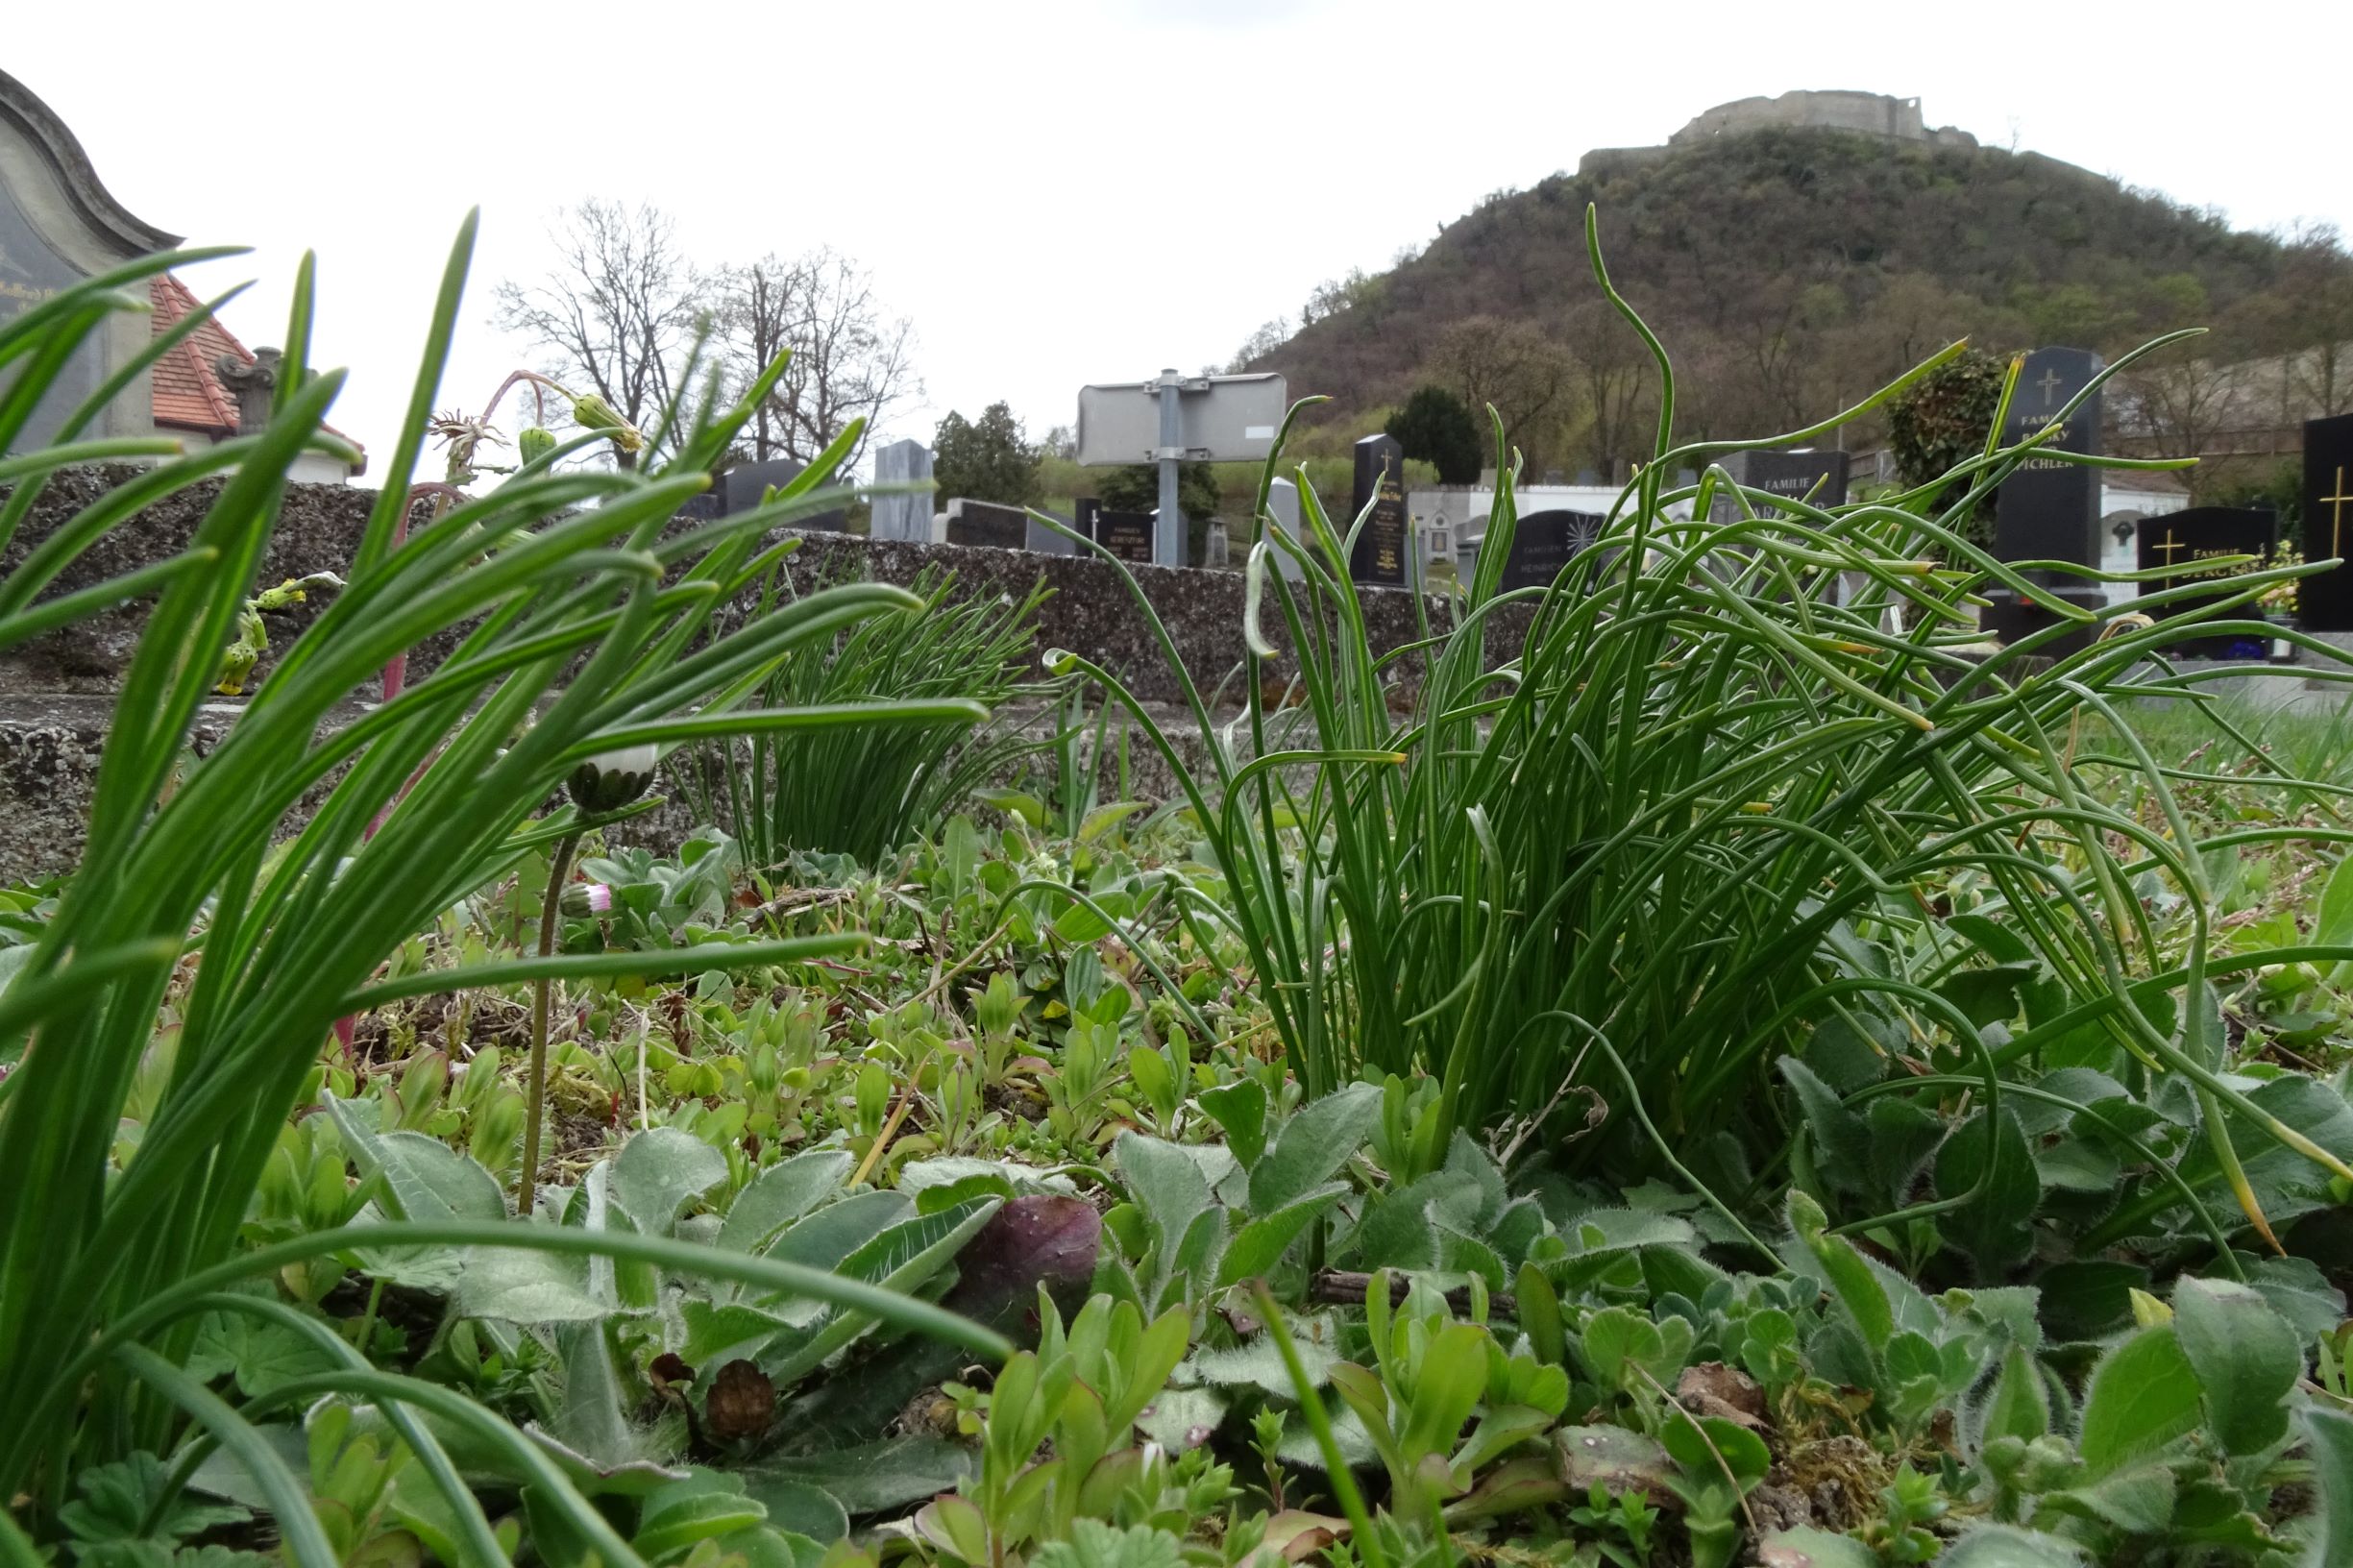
(1736, 1071)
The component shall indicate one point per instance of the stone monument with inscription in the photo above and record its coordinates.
(2186, 546)
(1127, 535)
(1381, 554)
(1543, 544)
(1817, 478)
(2049, 508)
(2324, 602)
(58, 227)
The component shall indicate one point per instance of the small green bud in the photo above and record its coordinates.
(593, 413)
(534, 443)
(2050, 1464)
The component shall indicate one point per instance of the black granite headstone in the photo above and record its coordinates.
(1380, 555)
(1817, 478)
(746, 486)
(2181, 543)
(985, 523)
(2324, 602)
(1127, 535)
(1543, 542)
(2049, 509)
(708, 508)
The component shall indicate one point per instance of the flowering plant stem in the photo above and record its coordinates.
(550, 913)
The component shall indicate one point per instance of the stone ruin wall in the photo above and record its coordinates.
(1872, 113)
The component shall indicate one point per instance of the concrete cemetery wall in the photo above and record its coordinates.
(56, 691)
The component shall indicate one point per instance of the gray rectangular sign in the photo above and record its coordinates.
(1226, 419)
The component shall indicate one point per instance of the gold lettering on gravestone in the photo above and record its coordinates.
(2215, 555)
(1388, 489)
(25, 294)
(2336, 504)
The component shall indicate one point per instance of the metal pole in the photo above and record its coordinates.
(1168, 536)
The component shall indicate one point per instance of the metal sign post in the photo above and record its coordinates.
(1179, 419)
(1168, 532)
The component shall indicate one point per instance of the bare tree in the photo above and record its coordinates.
(1270, 336)
(1613, 377)
(2180, 408)
(618, 309)
(2320, 376)
(851, 359)
(1510, 364)
(761, 317)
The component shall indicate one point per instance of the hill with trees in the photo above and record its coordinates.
(1791, 271)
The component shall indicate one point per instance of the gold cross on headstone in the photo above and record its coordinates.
(2168, 546)
(2051, 382)
(2336, 504)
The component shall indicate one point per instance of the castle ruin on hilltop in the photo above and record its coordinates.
(1873, 113)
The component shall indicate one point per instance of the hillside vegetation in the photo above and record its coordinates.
(1795, 269)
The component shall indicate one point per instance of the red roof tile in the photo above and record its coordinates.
(188, 392)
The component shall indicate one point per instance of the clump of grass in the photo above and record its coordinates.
(865, 793)
(1704, 807)
(575, 612)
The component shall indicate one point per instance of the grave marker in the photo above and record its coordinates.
(1380, 555)
(1127, 535)
(58, 227)
(1819, 478)
(986, 523)
(1543, 542)
(2179, 541)
(2049, 509)
(903, 517)
(2325, 602)
(746, 486)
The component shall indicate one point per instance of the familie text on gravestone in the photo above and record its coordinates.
(2193, 547)
(1816, 477)
(1379, 553)
(2049, 508)
(2324, 602)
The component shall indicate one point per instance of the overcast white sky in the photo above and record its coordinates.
(1059, 192)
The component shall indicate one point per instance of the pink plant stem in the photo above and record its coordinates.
(395, 677)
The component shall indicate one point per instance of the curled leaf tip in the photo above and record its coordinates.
(1253, 595)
